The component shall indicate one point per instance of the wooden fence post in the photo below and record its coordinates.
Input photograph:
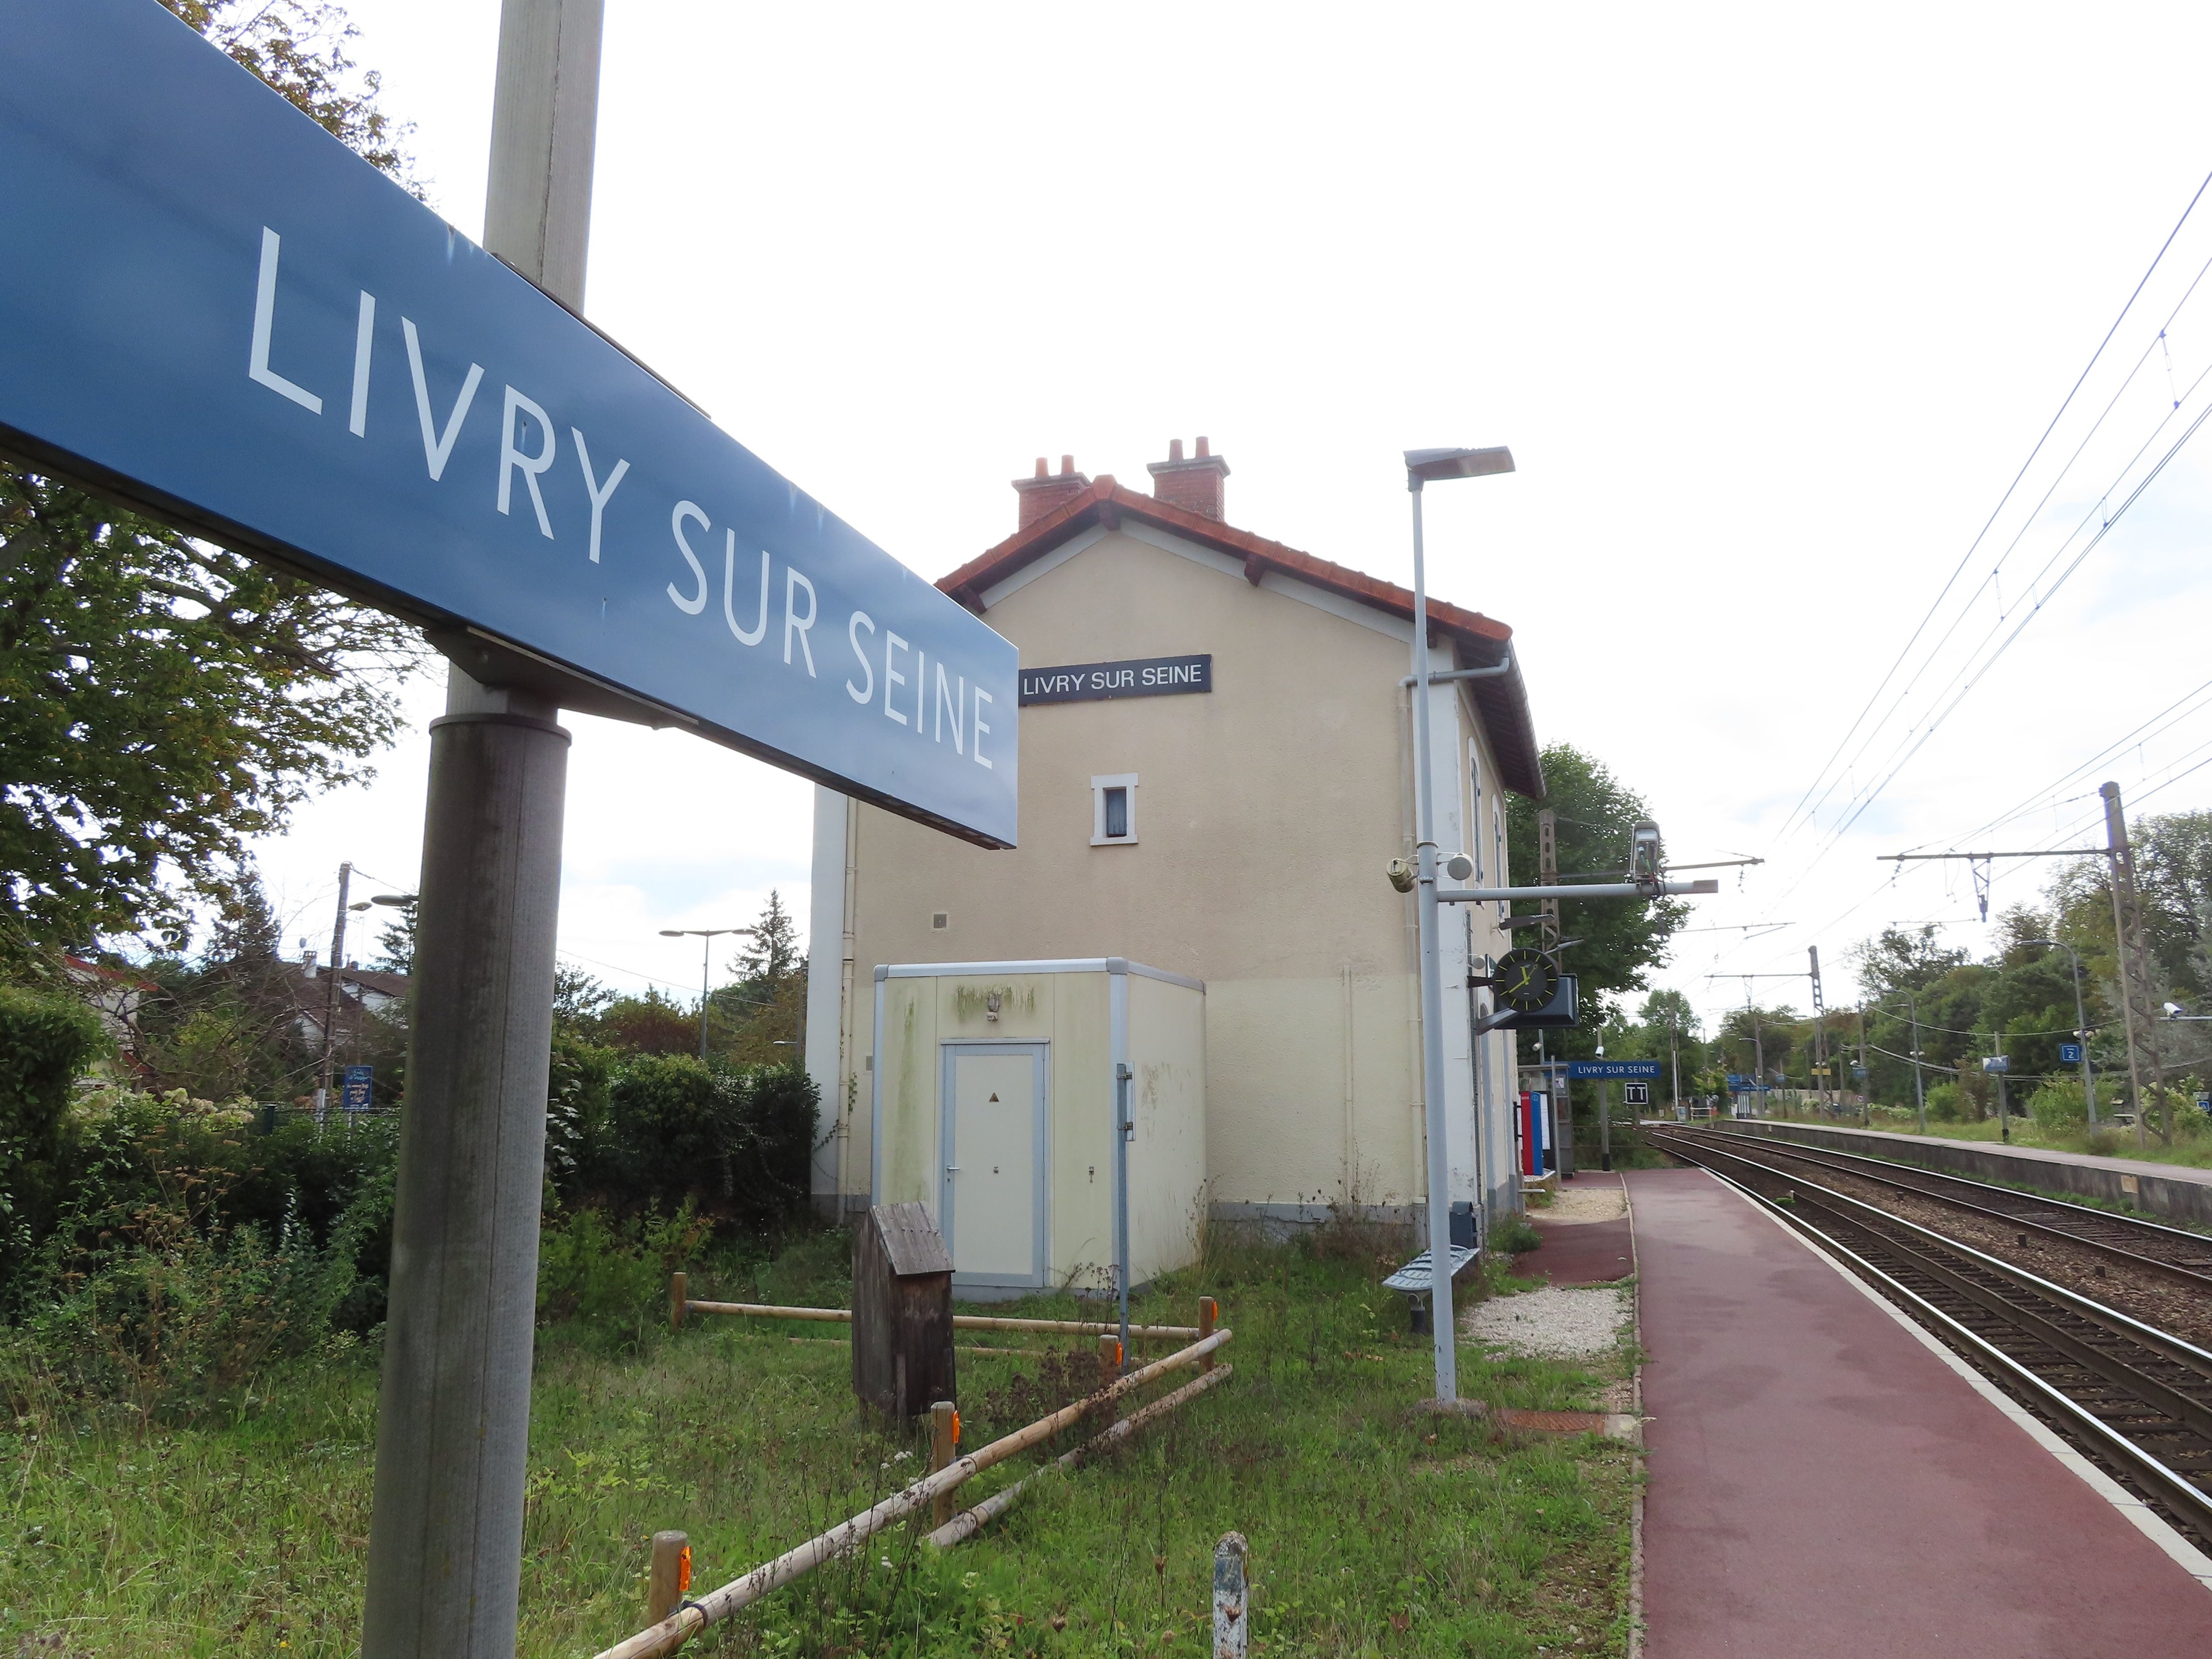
(943, 1436)
(1208, 1311)
(1232, 1597)
(679, 1293)
(671, 1580)
(1110, 1372)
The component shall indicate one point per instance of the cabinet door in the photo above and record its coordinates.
(994, 1162)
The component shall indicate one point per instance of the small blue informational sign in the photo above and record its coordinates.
(2070, 1054)
(214, 309)
(1858, 1074)
(358, 1093)
(1613, 1070)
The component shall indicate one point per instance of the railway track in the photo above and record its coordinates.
(2136, 1400)
(2171, 1252)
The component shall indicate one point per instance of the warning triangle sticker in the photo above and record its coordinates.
(993, 1100)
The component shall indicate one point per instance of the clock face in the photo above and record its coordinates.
(1525, 980)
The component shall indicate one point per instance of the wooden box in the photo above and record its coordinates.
(902, 1312)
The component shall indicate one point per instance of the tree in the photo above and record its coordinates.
(774, 954)
(164, 702)
(756, 1021)
(1618, 940)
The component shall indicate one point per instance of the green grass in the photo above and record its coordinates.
(1373, 1528)
(2191, 1145)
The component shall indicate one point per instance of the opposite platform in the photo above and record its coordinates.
(1822, 1484)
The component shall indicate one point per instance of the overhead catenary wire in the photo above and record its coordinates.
(1950, 581)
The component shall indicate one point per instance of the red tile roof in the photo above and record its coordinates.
(1478, 641)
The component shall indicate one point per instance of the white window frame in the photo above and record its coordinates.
(1099, 786)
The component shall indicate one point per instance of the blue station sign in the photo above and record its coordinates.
(212, 308)
(1613, 1070)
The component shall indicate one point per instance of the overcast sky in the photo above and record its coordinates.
(1771, 304)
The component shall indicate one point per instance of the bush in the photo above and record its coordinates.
(2058, 1108)
(610, 1276)
(1948, 1104)
(45, 1041)
(656, 1131)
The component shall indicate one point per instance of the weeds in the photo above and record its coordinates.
(1374, 1529)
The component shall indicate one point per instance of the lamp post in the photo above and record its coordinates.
(2080, 1025)
(1423, 465)
(706, 936)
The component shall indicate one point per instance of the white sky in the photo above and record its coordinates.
(1772, 305)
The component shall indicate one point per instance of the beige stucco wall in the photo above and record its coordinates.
(1265, 813)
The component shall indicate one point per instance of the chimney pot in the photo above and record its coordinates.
(1042, 493)
(1193, 484)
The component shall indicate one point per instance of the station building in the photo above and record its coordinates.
(1216, 768)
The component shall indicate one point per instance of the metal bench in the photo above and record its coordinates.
(1416, 1279)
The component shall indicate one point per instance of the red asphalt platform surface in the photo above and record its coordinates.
(1580, 1252)
(1822, 1484)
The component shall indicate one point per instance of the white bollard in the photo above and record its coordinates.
(1231, 1597)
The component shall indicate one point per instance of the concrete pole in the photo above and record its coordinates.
(331, 1001)
(1444, 1327)
(444, 1551)
(2126, 945)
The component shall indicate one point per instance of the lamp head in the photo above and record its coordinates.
(672, 933)
(1423, 465)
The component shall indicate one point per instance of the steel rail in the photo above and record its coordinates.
(2185, 1497)
(1828, 1157)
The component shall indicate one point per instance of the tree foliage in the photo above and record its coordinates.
(164, 702)
(1619, 940)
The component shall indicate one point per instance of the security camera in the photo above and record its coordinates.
(1459, 866)
(1644, 858)
(2174, 1011)
(1400, 873)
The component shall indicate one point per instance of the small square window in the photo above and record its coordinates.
(1114, 810)
(939, 921)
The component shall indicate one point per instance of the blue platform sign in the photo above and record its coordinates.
(211, 307)
(358, 1093)
(2070, 1054)
(1613, 1070)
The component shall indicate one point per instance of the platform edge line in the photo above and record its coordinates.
(1643, 1450)
(2147, 1521)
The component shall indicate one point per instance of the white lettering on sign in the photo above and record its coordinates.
(1146, 677)
(528, 448)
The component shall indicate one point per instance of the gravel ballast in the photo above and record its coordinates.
(1555, 1323)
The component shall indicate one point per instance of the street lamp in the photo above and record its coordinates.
(1423, 465)
(706, 937)
(2080, 1024)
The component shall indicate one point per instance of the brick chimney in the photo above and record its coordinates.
(1043, 493)
(1194, 485)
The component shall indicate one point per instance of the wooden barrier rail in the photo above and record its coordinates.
(719, 1604)
(968, 1523)
(680, 1304)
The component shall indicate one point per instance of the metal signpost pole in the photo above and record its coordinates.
(1124, 1126)
(1443, 1328)
(445, 1553)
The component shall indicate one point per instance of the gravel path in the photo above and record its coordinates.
(1559, 1324)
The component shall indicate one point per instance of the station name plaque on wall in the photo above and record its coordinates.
(1093, 682)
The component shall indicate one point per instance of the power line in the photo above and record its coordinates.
(1951, 581)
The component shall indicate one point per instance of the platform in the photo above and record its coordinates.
(1826, 1485)
(2179, 1192)
(1585, 1233)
